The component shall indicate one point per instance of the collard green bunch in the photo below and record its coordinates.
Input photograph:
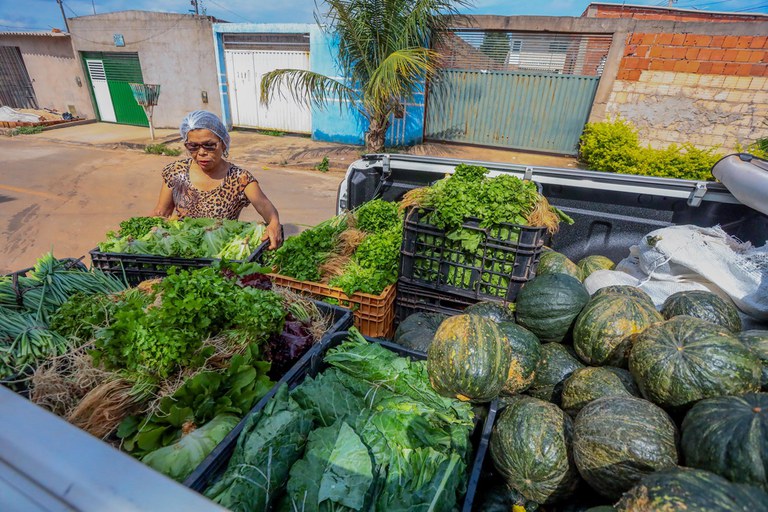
(187, 238)
(368, 433)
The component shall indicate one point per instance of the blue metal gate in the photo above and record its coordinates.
(530, 91)
(520, 110)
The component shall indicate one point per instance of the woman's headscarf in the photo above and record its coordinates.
(204, 120)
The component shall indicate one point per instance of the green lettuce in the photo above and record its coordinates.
(181, 458)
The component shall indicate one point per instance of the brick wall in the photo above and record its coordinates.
(636, 12)
(708, 90)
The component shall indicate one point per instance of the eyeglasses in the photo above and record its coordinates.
(194, 146)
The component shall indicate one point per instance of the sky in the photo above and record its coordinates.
(21, 15)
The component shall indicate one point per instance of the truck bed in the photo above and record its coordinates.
(611, 211)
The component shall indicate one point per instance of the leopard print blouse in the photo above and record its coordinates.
(223, 202)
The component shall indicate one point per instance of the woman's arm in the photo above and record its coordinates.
(165, 204)
(268, 212)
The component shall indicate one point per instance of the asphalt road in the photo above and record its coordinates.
(63, 197)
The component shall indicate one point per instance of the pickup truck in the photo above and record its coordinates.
(48, 464)
(611, 211)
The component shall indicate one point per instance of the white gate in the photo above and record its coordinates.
(244, 71)
(101, 90)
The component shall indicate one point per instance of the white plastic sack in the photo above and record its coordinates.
(8, 114)
(679, 258)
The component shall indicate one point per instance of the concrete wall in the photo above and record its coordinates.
(598, 10)
(175, 51)
(709, 89)
(54, 70)
(702, 82)
(336, 122)
(339, 122)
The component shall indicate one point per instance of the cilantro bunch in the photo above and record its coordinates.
(375, 263)
(301, 255)
(158, 334)
(377, 215)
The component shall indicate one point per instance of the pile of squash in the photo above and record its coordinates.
(609, 403)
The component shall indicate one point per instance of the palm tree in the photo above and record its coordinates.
(384, 55)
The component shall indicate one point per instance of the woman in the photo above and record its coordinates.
(206, 185)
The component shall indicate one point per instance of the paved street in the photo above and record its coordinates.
(65, 197)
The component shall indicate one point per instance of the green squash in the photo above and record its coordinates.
(588, 384)
(552, 262)
(417, 330)
(531, 448)
(728, 436)
(496, 311)
(593, 263)
(557, 363)
(683, 360)
(605, 328)
(691, 490)
(757, 342)
(705, 305)
(548, 305)
(526, 353)
(624, 289)
(500, 498)
(619, 439)
(468, 359)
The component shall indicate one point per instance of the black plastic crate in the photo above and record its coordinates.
(310, 365)
(505, 259)
(135, 268)
(417, 299)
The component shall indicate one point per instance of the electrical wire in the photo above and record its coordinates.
(70, 9)
(230, 11)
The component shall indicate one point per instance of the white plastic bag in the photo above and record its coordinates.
(680, 258)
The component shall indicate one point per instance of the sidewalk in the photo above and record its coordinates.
(287, 151)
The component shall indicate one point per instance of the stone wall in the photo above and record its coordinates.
(710, 90)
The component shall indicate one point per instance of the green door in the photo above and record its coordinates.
(122, 69)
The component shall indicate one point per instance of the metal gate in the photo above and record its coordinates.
(110, 75)
(15, 85)
(248, 57)
(515, 90)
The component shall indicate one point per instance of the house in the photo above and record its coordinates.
(41, 70)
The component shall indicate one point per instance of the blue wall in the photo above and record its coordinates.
(336, 122)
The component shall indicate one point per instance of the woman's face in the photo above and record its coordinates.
(206, 148)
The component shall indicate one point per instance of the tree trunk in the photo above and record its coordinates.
(376, 134)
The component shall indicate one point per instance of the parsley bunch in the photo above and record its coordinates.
(137, 227)
(469, 193)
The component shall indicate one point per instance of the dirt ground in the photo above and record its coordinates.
(64, 188)
(65, 198)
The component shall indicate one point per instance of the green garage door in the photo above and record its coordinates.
(120, 70)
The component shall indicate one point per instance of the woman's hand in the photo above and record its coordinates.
(274, 234)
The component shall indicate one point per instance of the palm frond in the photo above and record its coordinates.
(400, 73)
(306, 87)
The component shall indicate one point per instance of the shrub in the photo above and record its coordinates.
(613, 146)
(324, 165)
(27, 130)
(610, 146)
(759, 148)
(161, 149)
